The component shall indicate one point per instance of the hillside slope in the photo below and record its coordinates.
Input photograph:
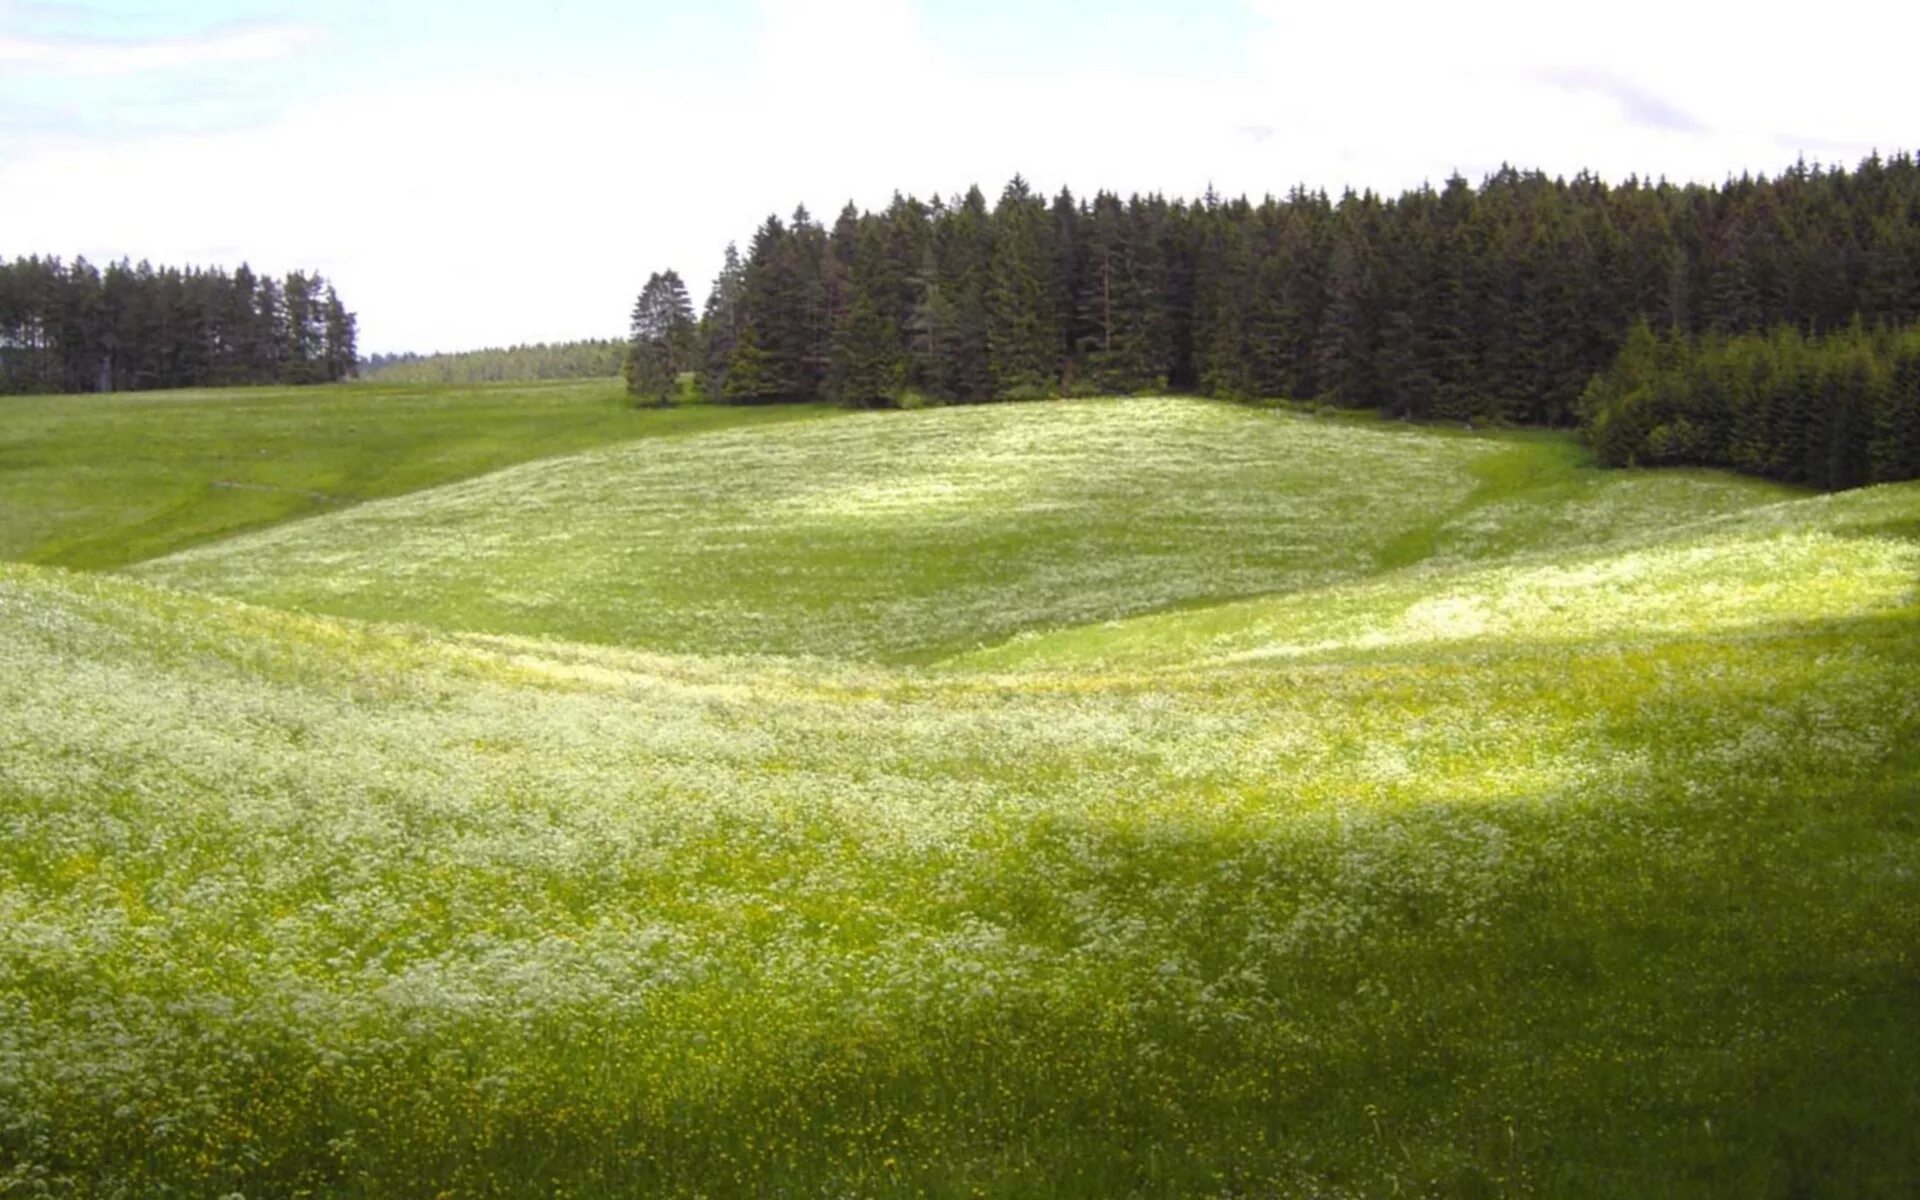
(907, 536)
(1492, 857)
(103, 481)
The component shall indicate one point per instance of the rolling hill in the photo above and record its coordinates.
(906, 536)
(1127, 798)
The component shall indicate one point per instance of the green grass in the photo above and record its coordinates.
(1398, 814)
(1827, 559)
(103, 481)
(908, 536)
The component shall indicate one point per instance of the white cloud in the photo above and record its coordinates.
(1396, 91)
(95, 57)
(492, 209)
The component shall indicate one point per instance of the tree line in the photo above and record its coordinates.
(73, 327)
(592, 359)
(1493, 303)
(1833, 411)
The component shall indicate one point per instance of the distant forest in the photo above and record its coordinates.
(76, 328)
(598, 359)
(1497, 303)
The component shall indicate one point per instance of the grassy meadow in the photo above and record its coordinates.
(1118, 798)
(102, 481)
(905, 536)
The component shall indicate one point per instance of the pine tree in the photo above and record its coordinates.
(1224, 299)
(1406, 356)
(720, 325)
(1120, 310)
(1066, 281)
(869, 369)
(1093, 317)
(1271, 323)
(929, 329)
(1448, 294)
(660, 341)
(1174, 235)
(780, 309)
(1342, 342)
(341, 356)
(964, 253)
(751, 375)
(1021, 331)
(907, 238)
(818, 289)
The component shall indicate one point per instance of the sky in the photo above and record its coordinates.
(472, 174)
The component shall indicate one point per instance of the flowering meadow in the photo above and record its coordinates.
(1135, 798)
(906, 536)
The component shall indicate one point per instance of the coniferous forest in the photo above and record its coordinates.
(73, 327)
(591, 359)
(1835, 412)
(1491, 304)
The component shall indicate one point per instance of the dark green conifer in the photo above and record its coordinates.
(1021, 332)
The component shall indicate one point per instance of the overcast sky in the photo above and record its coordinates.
(476, 174)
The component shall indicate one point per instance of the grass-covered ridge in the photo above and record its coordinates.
(911, 535)
(103, 481)
(1542, 832)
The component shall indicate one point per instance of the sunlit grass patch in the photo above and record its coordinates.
(1756, 569)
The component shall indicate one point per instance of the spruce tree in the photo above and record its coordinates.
(779, 309)
(660, 339)
(1226, 288)
(1341, 343)
(929, 328)
(819, 287)
(1021, 332)
(751, 377)
(869, 369)
(342, 358)
(720, 323)
(964, 250)
(1066, 281)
